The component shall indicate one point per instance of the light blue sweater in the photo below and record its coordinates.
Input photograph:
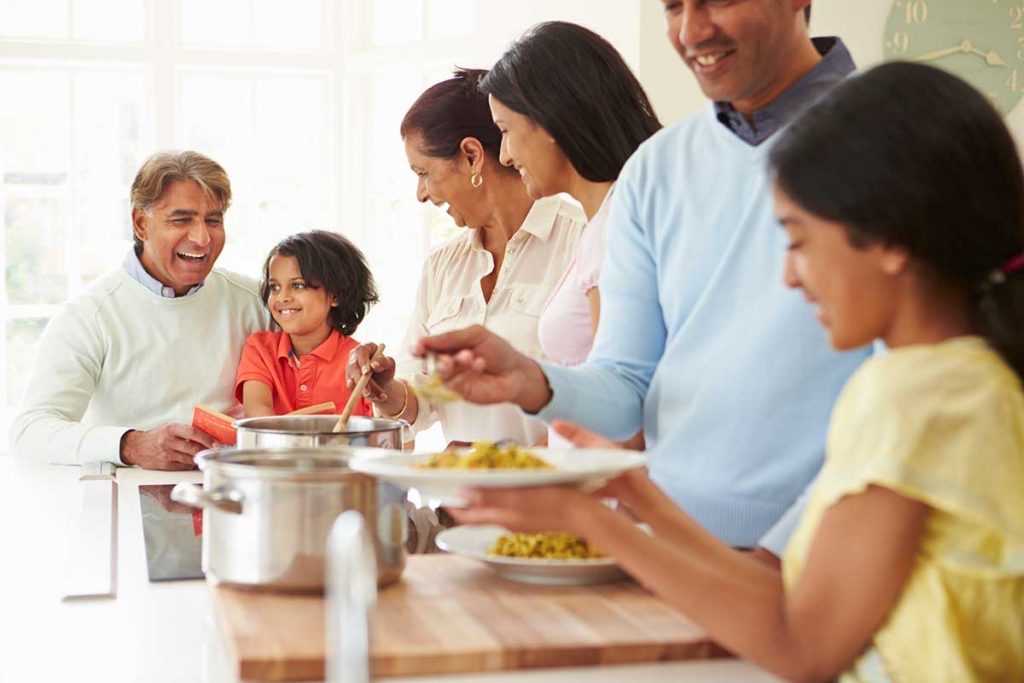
(700, 342)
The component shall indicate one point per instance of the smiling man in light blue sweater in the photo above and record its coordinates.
(699, 340)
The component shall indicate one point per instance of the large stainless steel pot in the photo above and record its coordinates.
(267, 514)
(309, 431)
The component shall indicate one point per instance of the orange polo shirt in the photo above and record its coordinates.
(299, 383)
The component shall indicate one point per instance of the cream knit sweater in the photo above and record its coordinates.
(122, 357)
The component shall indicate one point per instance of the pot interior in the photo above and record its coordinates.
(277, 461)
(314, 424)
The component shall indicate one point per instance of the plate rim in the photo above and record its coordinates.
(385, 466)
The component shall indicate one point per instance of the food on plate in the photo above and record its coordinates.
(484, 455)
(547, 545)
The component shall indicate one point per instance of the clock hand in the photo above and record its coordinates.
(966, 47)
(991, 58)
(942, 53)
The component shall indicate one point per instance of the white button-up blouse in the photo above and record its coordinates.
(450, 298)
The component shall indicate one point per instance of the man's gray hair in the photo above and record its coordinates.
(164, 168)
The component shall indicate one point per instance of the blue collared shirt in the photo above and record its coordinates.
(700, 341)
(133, 266)
(835, 65)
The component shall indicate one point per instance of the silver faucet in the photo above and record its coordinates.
(351, 595)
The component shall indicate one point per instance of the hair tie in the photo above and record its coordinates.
(1012, 265)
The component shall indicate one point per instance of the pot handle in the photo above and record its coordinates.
(223, 498)
(405, 428)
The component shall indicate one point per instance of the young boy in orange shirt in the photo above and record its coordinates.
(318, 289)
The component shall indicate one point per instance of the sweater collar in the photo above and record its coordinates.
(133, 266)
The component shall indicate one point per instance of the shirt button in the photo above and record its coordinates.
(302, 387)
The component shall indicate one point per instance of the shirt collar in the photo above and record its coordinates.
(326, 352)
(133, 266)
(539, 221)
(835, 65)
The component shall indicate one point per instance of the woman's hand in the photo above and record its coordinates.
(484, 368)
(382, 382)
(530, 510)
(632, 488)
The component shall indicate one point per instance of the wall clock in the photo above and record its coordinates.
(981, 41)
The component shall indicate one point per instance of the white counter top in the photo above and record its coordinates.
(159, 632)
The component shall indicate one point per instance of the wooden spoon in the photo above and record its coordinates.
(357, 391)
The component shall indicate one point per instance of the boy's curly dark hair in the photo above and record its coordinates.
(328, 260)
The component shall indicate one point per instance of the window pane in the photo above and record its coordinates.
(35, 236)
(293, 25)
(297, 25)
(117, 21)
(112, 135)
(450, 18)
(34, 127)
(225, 23)
(272, 136)
(395, 22)
(34, 18)
(22, 338)
(382, 193)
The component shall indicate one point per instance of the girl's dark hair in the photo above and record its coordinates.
(328, 260)
(576, 86)
(450, 111)
(911, 156)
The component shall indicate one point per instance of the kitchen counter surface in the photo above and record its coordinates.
(157, 632)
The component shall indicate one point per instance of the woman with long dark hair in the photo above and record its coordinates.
(570, 114)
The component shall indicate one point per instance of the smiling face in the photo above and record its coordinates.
(301, 308)
(855, 290)
(528, 148)
(182, 236)
(448, 181)
(740, 50)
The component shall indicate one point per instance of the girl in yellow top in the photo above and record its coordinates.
(903, 200)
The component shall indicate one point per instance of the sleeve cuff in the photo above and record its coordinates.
(102, 444)
(563, 394)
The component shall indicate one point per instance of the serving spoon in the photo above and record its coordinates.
(357, 391)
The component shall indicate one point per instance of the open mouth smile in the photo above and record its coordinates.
(190, 257)
(707, 62)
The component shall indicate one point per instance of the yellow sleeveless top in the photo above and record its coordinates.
(942, 424)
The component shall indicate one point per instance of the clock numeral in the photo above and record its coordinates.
(1017, 18)
(1011, 82)
(917, 12)
(899, 42)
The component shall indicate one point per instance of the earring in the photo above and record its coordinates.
(476, 180)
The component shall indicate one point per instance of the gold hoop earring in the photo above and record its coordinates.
(476, 180)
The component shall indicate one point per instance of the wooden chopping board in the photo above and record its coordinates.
(453, 615)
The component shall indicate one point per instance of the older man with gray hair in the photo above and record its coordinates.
(119, 370)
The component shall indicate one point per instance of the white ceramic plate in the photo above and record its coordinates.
(474, 541)
(586, 467)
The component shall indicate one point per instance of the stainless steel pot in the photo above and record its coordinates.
(310, 431)
(267, 514)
